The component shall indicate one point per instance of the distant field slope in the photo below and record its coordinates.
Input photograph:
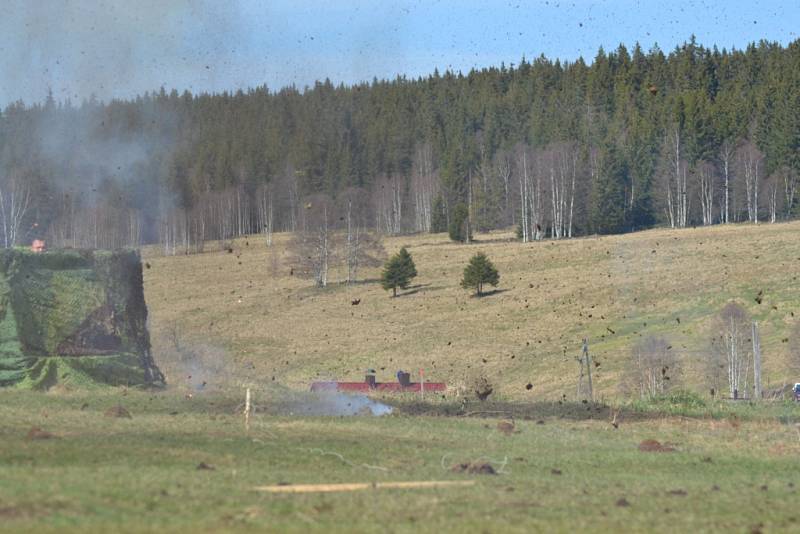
(239, 316)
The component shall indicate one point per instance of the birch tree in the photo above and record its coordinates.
(677, 198)
(530, 197)
(789, 190)
(707, 192)
(314, 246)
(265, 211)
(750, 164)
(362, 248)
(389, 205)
(727, 151)
(772, 198)
(15, 199)
(504, 166)
(424, 188)
(563, 167)
(653, 367)
(731, 349)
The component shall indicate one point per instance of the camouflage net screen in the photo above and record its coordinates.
(73, 316)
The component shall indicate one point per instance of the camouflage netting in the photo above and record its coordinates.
(73, 316)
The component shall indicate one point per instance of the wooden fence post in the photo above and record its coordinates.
(588, 360)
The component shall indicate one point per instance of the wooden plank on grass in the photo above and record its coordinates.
(359, 486)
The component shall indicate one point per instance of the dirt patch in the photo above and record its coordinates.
(506, 427)
(118, 411)
(651, 445)
(28, 510)
(8, 513)
(477, 468)
(37, 433)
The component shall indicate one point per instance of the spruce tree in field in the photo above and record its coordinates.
(479, 271)
(398, 272)
(408, 263)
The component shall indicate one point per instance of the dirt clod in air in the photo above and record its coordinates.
(118, 411)
(651, 445)
(482, 388)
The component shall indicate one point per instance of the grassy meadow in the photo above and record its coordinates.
(222, 321)
(240, 317)
(184, 464)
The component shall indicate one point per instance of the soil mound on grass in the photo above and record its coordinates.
(651, 445)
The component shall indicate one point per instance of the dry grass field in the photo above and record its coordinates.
(240, 317)
(181, 459)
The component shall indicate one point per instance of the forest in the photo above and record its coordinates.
(630, 140)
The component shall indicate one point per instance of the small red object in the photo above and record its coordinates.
(363, 387)
(37, 245)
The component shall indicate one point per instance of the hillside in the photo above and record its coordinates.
(224, 318)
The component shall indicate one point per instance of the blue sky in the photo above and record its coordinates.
(118, 48)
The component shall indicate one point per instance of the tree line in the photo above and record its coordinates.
(557, 149)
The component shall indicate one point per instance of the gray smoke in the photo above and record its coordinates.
(331, 403)
(110, 49)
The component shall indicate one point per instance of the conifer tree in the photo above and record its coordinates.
(478, 272)
(438, 216)
(408, 263)
(459, 229)
(608, 194)
(398, 272)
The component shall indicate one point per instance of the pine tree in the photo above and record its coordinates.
(398, 272)
(438, 216)
(408, 263)
(479, 271)
(608, 194)
(459, 229)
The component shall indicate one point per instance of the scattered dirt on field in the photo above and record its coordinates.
(37, 433)
(8, 513)
(651, 445)
(677, 492)
(118, 411)
(623, 502)
(202, 466)
(478, 468)
(506, 427)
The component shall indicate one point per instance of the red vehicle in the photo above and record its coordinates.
(403, 384)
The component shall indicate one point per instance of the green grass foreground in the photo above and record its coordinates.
(563, 468)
